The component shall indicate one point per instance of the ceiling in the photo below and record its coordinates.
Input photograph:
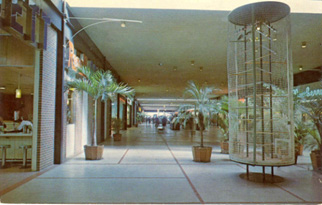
(174, 38)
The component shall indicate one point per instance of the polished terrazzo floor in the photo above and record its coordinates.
(149, 166)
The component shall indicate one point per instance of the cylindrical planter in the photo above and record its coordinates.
(93, 152)
(224, 147)
(201, 154)
(299, 149)
(316, 159)
(117, 137)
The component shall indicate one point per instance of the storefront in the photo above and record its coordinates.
(37, 44)
(29, 58)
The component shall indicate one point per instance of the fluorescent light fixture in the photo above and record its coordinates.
(18, 90)
(2, 87)
(303, 44)
(18, 93)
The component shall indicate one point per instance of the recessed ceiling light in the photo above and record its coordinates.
(2, 87)
(192, 63)
(139, 80)
(300, 67)
(303, 44)
(160, 64)
(167, 90)
(175, 68)
(123, 25)
(201, 68)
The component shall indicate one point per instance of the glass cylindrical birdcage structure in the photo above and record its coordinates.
(260, 85)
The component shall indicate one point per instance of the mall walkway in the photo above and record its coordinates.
(148, 166)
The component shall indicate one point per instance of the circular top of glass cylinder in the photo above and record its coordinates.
(268, 11)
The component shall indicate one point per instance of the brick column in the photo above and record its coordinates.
(46, 102)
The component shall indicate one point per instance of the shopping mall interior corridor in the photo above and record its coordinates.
(151, 166)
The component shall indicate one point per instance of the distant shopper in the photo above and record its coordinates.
(164, 121)
(157, 121)
(24, 123)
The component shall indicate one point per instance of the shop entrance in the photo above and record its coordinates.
(16, 99)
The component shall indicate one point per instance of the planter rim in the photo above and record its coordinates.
(93, 146)
(199, 147)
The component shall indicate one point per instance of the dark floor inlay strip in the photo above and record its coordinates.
(123, 156)
(184, 173)
(15, 186)
(296, 196)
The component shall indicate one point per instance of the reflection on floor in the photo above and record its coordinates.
(148, 166)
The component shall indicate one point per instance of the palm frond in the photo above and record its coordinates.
(193, 90)
(313, 141)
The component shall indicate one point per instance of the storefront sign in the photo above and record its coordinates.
(73, 60)
(308, 92)
(30, 21)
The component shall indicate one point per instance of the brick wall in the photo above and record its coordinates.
(46, 105)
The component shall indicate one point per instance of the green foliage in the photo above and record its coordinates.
(312, 106)
(223, 120)
(301, 130)
(117, 124)
(203, 106)
(313, 141)
(98, 84)
(184, 115)
(140, 117)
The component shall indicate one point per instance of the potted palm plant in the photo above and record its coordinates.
(203, 107)
(98, 84)
(117, 124)
(314, 143)
(223, 124)
(301, 130)
(312, 106)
